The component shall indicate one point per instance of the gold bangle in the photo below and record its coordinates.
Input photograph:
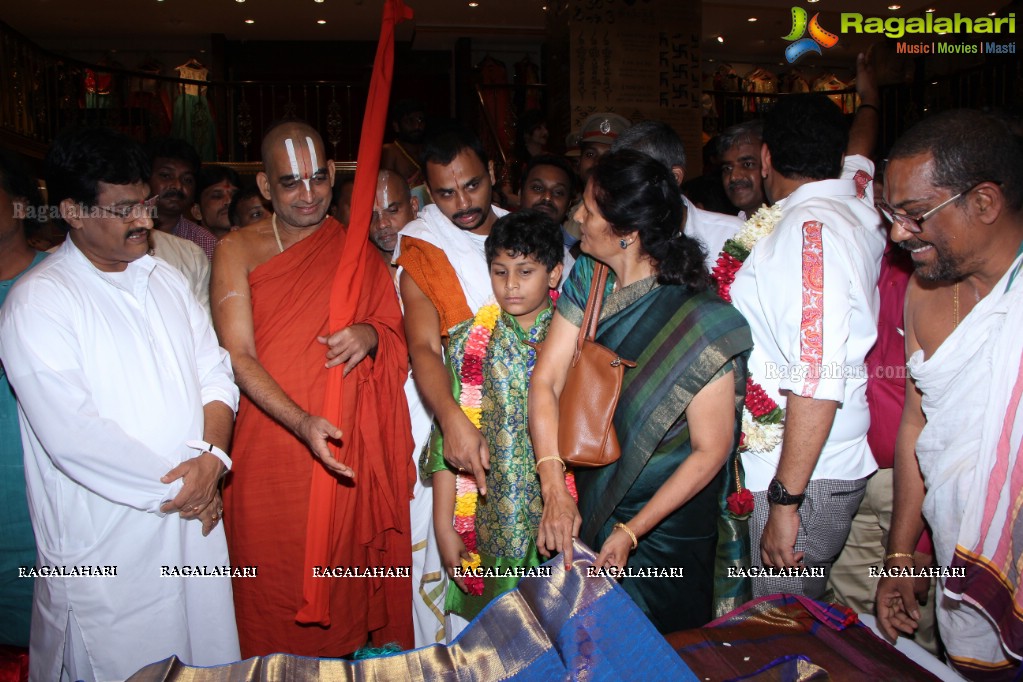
(564, 467)
(898, 555)
(635, 542)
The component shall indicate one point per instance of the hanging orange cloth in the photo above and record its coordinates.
(378, 464)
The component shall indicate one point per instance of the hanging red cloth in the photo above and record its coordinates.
(345, 295)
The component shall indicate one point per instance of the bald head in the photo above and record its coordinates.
(393, 208)
(298, 176)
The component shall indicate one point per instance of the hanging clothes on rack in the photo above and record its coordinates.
(493, 77)
(148, 97)
(829, 82)
(527, 74)
(795, 82)
(759, 80)
(192, 119)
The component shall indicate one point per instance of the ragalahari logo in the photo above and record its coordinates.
(818, 36)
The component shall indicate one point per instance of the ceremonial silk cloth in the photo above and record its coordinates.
(267, 497)
(565, 627)
(792, 639)
(681, 341)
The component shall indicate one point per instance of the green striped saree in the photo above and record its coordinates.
(681, 341)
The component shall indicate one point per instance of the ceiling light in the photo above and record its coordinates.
(751, 19)
(721, 39)
(321, 21)
(991, 14)
(320, 1)
(250, 21)
(239, 0)
(894, 7)
(474, 4)
(930, 10)
(812, 1)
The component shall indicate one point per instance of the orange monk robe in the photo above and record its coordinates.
(266, 501)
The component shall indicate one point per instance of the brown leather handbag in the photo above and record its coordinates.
(586, 432)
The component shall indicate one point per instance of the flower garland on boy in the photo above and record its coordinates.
(470, 400)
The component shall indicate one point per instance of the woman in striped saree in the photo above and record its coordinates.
(658, 508)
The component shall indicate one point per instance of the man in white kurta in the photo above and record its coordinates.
(444, 279)
(119, 376)
(809, 292)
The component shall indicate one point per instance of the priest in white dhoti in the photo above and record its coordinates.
(954, 196)
(126, 404)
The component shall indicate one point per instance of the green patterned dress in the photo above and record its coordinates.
(508, 517)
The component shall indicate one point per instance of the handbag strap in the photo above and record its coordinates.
(591, 316)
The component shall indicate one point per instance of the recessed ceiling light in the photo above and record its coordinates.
(991, 14)
(930, 10)
(812, 1)
(752, 19)
(250, 21)
(239, 0)
(894, 7)
(321, 21)
(320, 1)
(474, 4)
(544, 8)
(721, 39)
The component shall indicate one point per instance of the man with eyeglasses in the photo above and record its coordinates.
(954, 197)
(809, 292)
(126, 406)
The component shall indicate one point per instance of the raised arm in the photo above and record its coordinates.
(866, 123)
(231, 303)
(464, 445)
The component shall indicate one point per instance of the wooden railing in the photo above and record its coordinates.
(42, 93)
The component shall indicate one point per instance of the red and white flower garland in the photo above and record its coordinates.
(762, 418)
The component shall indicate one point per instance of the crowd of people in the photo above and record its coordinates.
(822, 393)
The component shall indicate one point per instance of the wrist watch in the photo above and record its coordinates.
(776, 494)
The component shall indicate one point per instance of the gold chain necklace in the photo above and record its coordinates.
(955, 305)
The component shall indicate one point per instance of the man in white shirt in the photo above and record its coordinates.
(809, 292)
(444, 279)
(126, 405)
(660, 141)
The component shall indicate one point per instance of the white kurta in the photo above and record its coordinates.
(112, 371)
(464, 250)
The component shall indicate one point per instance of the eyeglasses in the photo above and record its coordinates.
(913, 223)
(132, 213)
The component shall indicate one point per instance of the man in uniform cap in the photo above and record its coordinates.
(596, 134)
